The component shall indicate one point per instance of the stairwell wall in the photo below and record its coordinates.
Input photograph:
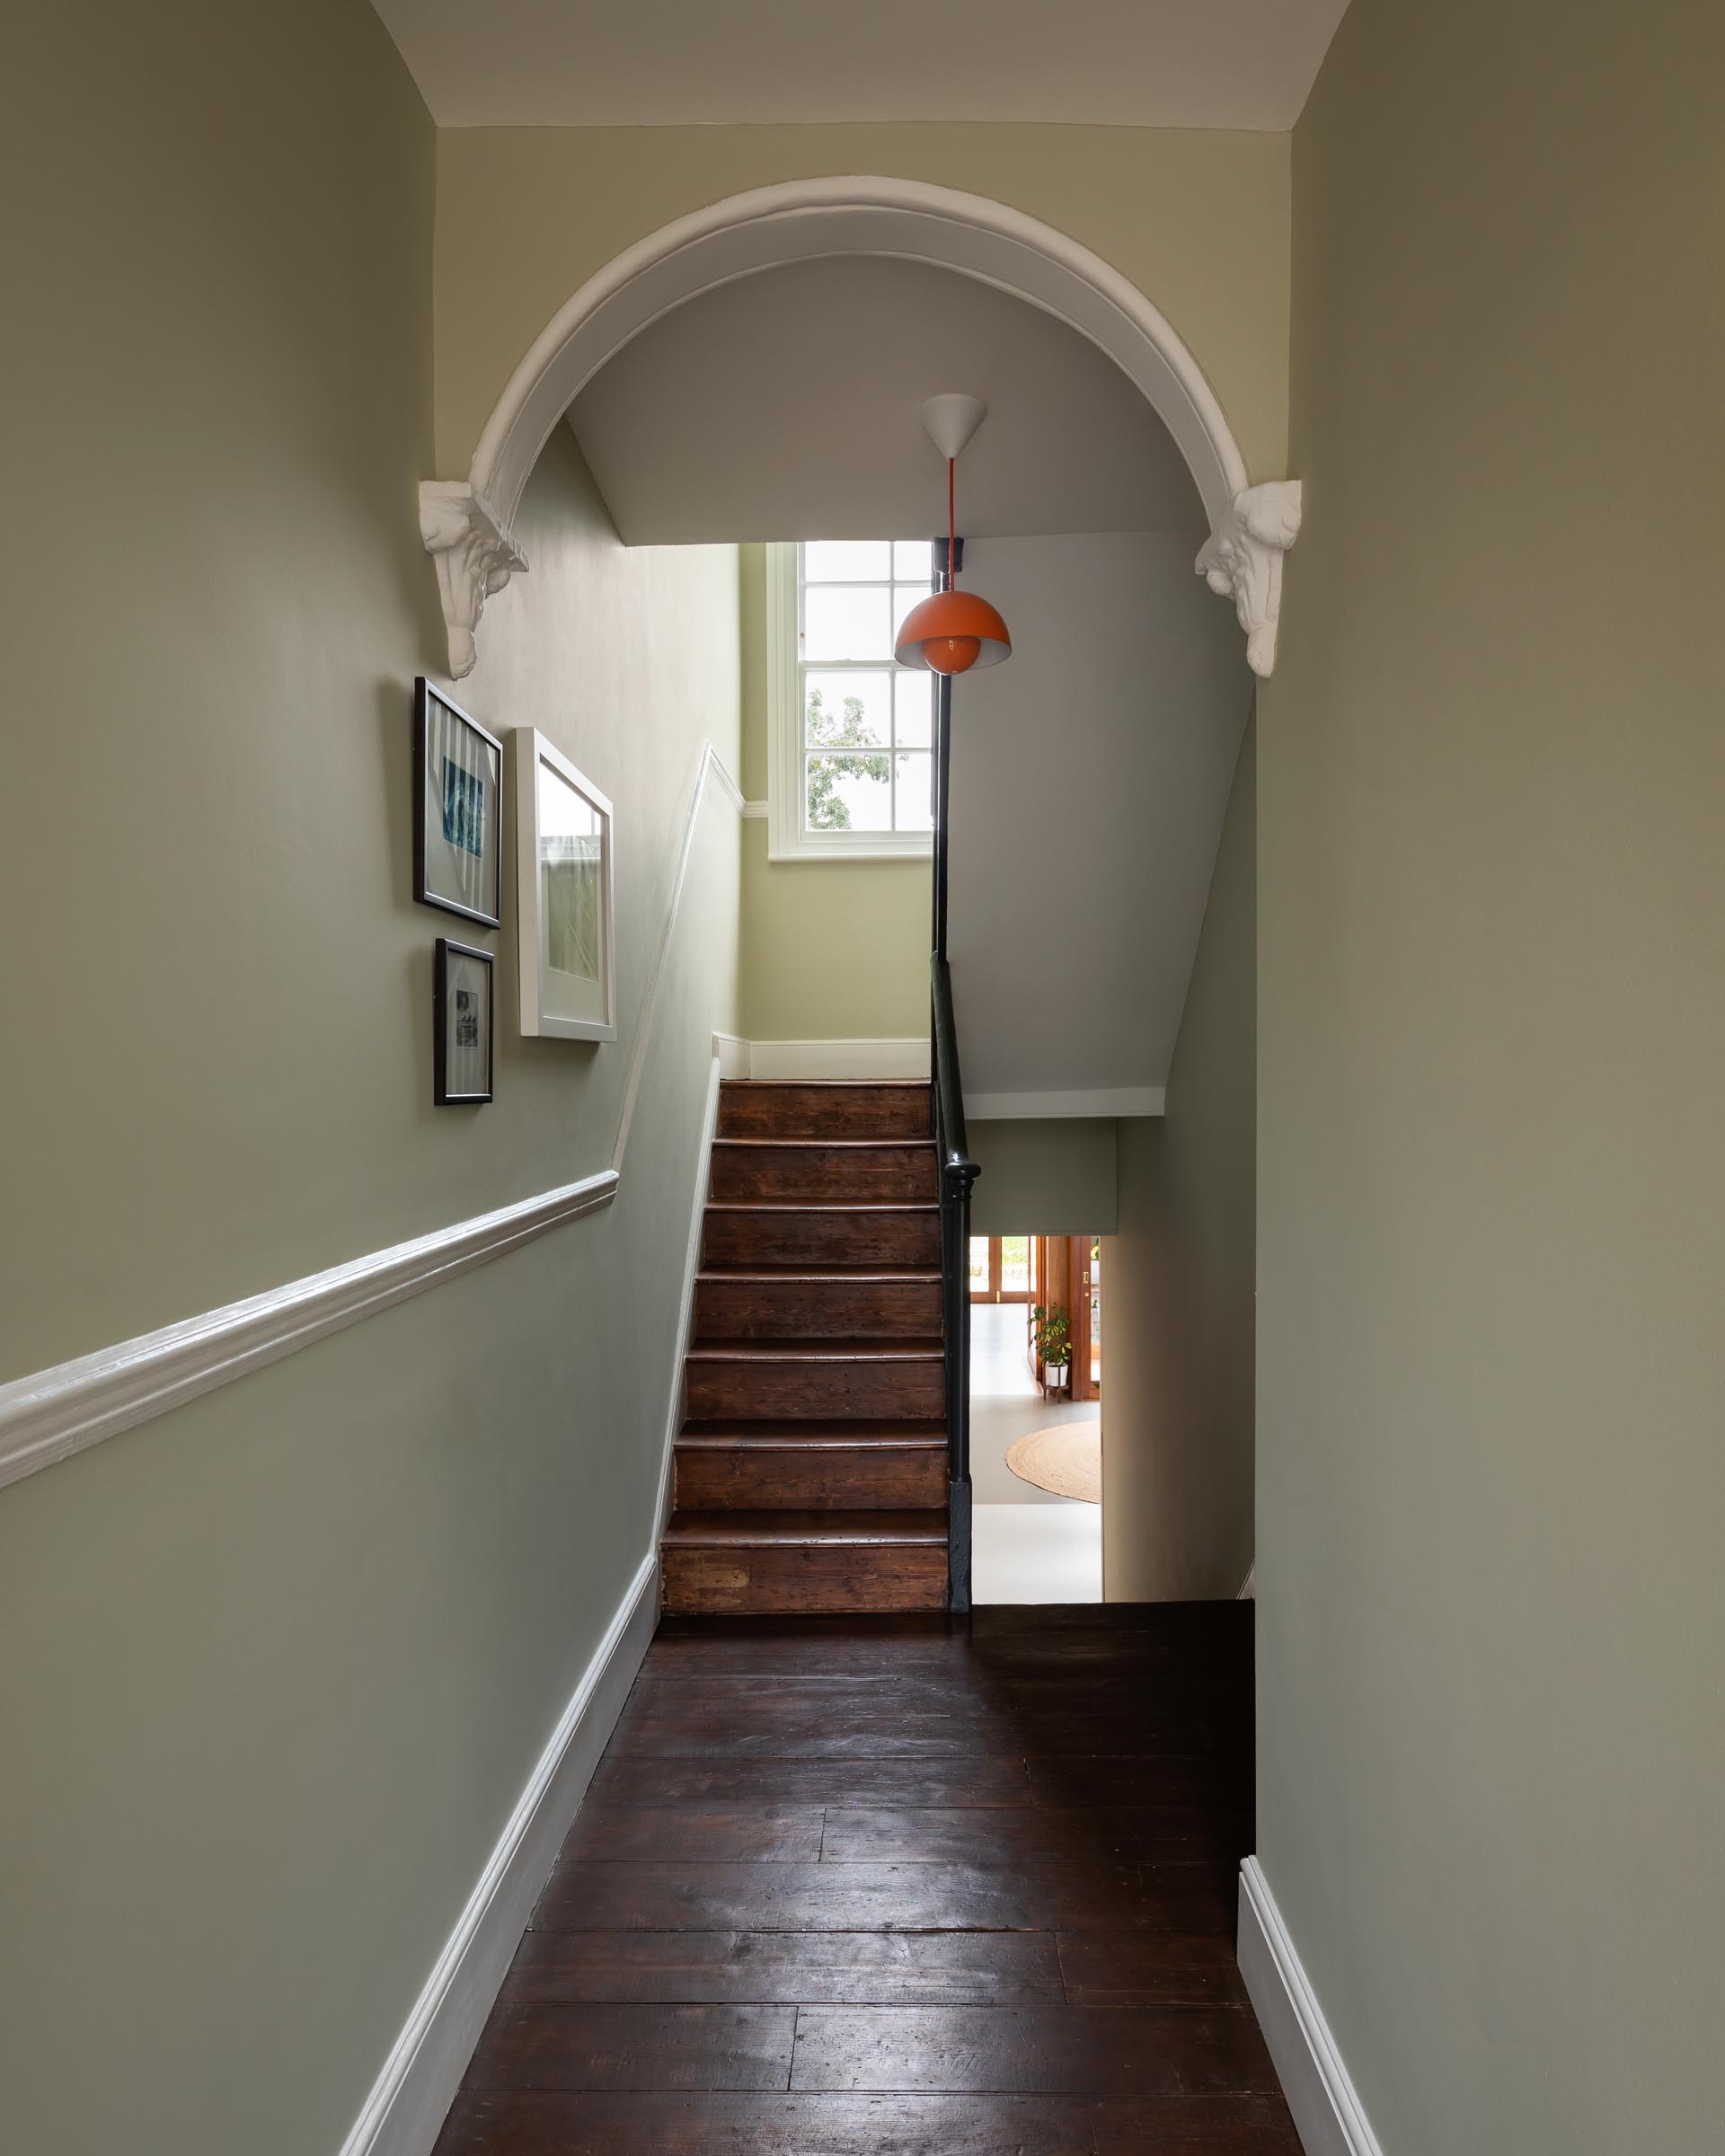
(1179, 1276)
(280, 1662)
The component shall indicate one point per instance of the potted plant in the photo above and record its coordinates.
(1053, 1339)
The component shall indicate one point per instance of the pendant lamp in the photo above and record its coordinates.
(952, 630)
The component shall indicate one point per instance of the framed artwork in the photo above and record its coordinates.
(563, 855)
(457, 809)
(463, 1026)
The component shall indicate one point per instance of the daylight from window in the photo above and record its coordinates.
(867, 723)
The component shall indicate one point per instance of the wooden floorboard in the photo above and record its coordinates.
(491, 2123)
(806, 1968)
(899, 1886)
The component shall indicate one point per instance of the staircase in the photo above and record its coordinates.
(811, 1472)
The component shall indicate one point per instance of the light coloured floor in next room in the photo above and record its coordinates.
(1027, 1545)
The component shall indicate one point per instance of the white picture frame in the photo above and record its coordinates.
(565, 895)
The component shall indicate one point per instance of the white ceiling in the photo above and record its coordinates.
(660, 63)
(786, 406)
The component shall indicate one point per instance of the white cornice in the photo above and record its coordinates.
(474, 557)
(1242, 557)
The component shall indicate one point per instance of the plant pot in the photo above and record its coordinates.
(1055, 1375)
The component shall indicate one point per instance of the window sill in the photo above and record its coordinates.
(916, 846)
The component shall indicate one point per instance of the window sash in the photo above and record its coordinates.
(788, 838)
(891, 749)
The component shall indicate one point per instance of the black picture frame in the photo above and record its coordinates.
(430, 706)
(443, 1015)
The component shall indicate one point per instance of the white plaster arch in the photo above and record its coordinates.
(468, 525)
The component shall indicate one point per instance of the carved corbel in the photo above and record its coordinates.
(474, 557)
(1243, 555)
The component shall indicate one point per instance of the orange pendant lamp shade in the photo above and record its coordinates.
(952, 631)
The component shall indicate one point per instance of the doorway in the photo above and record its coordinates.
(1035, 1417)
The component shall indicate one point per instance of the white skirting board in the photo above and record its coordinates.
(1328, 2115)
(406, 2110)
(815, 1060)
(1081, 1100)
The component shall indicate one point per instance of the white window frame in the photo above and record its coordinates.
(786, 839)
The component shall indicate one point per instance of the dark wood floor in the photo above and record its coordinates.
(899, 1886)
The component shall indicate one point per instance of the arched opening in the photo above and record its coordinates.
(468, 524)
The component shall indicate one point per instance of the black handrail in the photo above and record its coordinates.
(958, 1173)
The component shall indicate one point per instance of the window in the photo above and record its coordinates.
(852, 733)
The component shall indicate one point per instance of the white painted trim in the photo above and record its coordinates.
(1249, 1585)
(467, 526)
(730, 1052)
(837, 1059)
(1327, 2111)
(404, 2112)
(862, 215)
(51, 1415)
(755, 811)
(691, 1266)
(1101, 1100)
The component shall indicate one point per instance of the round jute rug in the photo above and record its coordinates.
(1066, 1460)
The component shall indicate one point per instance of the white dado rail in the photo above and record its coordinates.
(468, 524)
(51, 1414)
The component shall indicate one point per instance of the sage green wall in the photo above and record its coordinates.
(281, 1662)
(1197, 219)
(1179, 1276)
(1043, 1175)
(832, 949)
(1492, 1228)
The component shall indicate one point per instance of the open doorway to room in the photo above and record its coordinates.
(1036, 1382)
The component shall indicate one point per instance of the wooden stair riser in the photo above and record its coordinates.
(808, 1577)
(876, 1474)
(816, 1236)
(816, 1173)
(752, 1109)
(887, 1388)
(728, 1308)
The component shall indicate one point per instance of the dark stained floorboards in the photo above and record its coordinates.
(899, 1886)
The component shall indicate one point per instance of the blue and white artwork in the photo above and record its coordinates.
(463, 810)
(457, 841)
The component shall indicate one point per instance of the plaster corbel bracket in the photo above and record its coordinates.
(1243, 555)
(474, 557)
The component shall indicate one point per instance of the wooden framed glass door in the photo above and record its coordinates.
(1000, 1269)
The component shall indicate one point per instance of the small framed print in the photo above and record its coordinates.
(457, 809)
(464, 1029)
(565, 947)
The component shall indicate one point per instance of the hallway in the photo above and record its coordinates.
(1027, 1545)
(844, 1886)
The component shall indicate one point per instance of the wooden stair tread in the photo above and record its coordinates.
(712, 1529)
(839, 1440)
(729, 1426)
(833, 1085)
(815, 1349)
(775, 1271)
(753, 1143)
(822, 1205)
